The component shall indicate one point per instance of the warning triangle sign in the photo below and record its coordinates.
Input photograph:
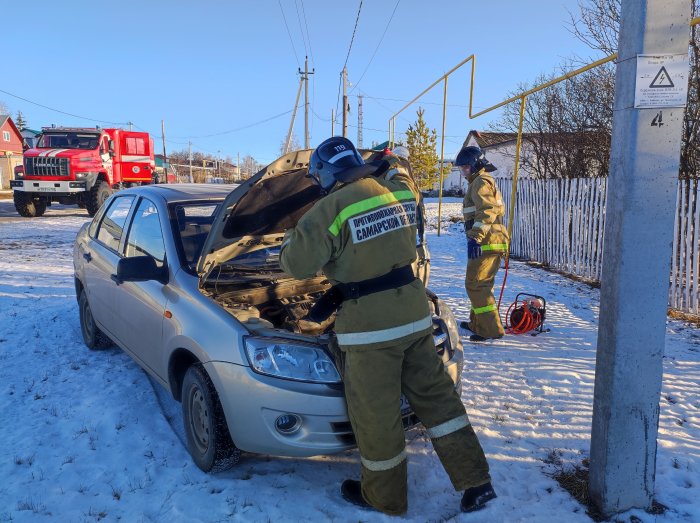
(662, 79)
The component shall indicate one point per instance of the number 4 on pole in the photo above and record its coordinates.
(658, 119)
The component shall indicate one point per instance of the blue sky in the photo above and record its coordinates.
(213, 67)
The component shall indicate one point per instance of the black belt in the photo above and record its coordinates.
(334, 297)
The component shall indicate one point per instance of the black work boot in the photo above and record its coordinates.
(466, 325)
(475, 498)
(351, 490)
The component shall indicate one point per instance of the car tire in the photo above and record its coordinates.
(93, 337)
(208, 438)
(97, 196)
(27, 206)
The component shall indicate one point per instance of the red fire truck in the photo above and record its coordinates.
(81, 166)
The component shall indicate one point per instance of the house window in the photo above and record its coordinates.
(6, 136)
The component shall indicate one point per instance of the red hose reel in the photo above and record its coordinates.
(526, 314)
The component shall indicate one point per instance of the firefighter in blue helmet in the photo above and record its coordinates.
(362, 236)
(487, 242)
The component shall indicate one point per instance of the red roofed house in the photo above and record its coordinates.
(10, 149)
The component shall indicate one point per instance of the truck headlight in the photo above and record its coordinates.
(290, 360)
(80, 176)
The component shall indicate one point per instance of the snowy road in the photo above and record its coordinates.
(85, 439)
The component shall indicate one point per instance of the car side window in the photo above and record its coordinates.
(92, 230)
(112, 225)
(145, 234)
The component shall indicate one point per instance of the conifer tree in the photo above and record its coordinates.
(20, 122)
(421, 143)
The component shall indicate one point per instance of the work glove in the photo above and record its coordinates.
(473, 249)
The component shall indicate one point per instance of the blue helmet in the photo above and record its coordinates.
(337, 160)
(474, 158)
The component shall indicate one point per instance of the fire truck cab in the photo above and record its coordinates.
(81, 166)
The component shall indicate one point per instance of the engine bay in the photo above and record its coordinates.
(275, 301)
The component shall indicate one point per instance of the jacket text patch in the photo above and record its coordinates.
(381, 221)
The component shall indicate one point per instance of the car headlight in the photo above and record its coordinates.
(451, 323)
(291, 360)
(80, 176)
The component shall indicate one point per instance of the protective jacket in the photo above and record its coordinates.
(361, 231)
(483, 213)
(483, 221)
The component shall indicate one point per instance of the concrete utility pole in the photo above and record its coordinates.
(643, 178)
(305, 78)
(359, 121)
(345, 102)
(190, 158)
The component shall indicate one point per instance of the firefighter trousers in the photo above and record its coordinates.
(481, 273)
(374, 381)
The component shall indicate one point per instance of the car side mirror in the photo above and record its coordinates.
(110, 144)
(140, 268)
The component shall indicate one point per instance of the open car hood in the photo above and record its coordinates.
(257, 213)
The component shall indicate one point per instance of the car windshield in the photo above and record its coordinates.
(194, 221)
(68, 141)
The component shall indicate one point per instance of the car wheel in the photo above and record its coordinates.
(93, 337)
(208, 438)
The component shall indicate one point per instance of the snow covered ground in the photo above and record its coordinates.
(86, 436)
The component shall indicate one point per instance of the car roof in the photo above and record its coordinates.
(177, 192)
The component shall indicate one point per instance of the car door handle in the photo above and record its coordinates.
(87, 256)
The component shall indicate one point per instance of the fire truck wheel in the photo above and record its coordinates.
(97, 196)
(28, 206)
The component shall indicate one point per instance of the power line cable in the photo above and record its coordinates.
(301, 28)
(308, 35)
(353, 34)
(62, 112)
(289, 33)
(377, 48)
(230, 131)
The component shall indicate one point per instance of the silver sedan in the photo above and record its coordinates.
(186, 280)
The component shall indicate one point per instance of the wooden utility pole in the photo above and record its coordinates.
(345, 102)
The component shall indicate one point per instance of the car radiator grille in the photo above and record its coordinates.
(43, 166)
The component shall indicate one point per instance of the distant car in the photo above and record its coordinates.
(185, 278)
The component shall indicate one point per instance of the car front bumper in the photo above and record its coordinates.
(253, 402)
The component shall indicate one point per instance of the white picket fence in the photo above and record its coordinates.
(560, 223)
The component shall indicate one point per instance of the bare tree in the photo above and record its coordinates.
(598, 25)
(294, 144)
(4, 109)
(566, 127)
